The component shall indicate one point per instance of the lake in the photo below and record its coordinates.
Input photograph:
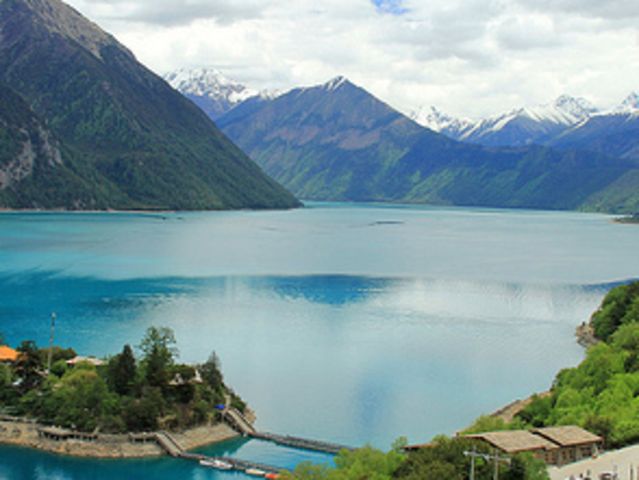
(348, 323)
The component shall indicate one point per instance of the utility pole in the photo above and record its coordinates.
(53, 317)
(473, 455)
(496, 458)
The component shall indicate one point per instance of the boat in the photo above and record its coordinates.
(272, 476)
(256, 472)
(215, 463)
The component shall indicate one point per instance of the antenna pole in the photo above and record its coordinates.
(53, 318)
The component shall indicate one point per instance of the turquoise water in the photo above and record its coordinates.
(355, 324)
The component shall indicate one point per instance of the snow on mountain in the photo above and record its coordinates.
(212, 91)
(565, 111)
(630, 106)
(440, 122)
(335, 83)
(520, 126)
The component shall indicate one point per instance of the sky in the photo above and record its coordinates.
(470, 58)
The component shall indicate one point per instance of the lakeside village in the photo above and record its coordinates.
(585, 427)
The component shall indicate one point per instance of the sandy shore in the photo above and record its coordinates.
(25, 434)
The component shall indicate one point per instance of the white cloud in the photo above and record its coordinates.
(469, 57)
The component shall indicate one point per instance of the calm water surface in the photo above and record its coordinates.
(355, 324)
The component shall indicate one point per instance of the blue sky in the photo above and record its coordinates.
(394, 7)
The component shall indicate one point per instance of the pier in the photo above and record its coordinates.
(238, 422)
(171, 446)
(301, 443)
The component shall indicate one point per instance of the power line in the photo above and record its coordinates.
(474, 454)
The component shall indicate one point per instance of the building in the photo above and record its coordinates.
(574, 443)
(554, 445)
(96, 362)
(512, 442)
(8, 354)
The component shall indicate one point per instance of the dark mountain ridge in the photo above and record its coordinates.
(125, 132)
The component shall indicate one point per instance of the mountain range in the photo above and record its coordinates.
(83, 125)
(338, 142)
(568, 122)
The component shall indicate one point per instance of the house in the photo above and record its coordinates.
(554, 445)
(574, 442)
(8, 354)
(512, 442)
(96, 362)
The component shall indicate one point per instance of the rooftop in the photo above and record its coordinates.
(513, 441)
(8, 354)
(568, 435)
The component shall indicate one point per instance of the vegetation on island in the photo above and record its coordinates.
(127, 393)
(443, 459)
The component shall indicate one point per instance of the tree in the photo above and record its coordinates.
(211, 373)
(5, 377)
(80, 400)
(28, 366)
(158, 347)
(121, 371)
(162, 340)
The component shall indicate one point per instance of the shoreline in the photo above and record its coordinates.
(25, 434)
(627, 220)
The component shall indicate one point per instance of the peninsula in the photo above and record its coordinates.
(54, 400)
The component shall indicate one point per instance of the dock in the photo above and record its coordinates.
(301, 443)
(171, 446)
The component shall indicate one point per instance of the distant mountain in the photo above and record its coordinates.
(337, 142)
(92, 128)
(615, 132)
(518, 127)
(439, 122)
(212, 91)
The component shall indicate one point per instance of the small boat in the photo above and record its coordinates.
(256, 472)
(272, 476)
(219, 464)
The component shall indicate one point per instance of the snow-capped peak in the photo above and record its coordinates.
(578, 108)
(436, 120)
(209, 82)
(630, 105)
(565, 110)
(335, 83)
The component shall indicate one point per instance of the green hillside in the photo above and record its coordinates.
(130, 138)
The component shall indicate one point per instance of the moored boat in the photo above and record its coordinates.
(256, 472)
(215, 463)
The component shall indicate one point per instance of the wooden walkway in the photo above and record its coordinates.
(238, 422)
(171, 446)
(301, 443)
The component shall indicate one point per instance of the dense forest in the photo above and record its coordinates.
(125, 393)
(602, 393)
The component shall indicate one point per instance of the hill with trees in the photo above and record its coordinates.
(601, 394)
(118, 135)
(126, 393)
